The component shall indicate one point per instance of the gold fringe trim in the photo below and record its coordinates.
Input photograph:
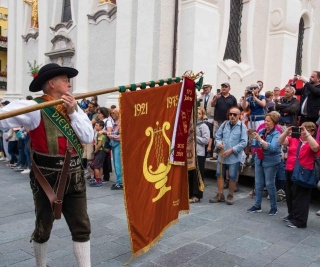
(179, 163)
(156, 240)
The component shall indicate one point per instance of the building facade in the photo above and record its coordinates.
(3, 45)
(121, 42)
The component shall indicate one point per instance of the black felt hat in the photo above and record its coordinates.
(48, 72)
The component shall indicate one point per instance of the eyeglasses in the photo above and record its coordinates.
(252, 88)
(233, 114)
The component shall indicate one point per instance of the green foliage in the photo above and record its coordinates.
(34, 68)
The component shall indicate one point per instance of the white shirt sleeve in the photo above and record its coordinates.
(82, 126)
(29, 120)
(79, 120)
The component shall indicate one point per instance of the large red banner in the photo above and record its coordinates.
(155, 190)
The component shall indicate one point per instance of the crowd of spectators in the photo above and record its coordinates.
(269, 120)
(15, 145)
(105, 145)
(256, 131)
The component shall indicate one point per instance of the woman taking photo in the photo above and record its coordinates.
(267, 159)
(202, 139)
(306, 148)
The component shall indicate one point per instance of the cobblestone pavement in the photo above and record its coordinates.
(211, 235)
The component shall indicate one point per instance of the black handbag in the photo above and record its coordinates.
(301, 176)
(107, 147)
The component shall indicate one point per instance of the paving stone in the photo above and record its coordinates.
(244, 247)
(257, 260)
(182, 255)
(291, 259)
(308, 251)
(313, 241)
(210, 235)
(214, 258)
(191, 221)
(271, 237)
(14, 257)
(277, 249)
(221, 237)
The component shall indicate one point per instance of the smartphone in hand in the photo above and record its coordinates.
(295, 132)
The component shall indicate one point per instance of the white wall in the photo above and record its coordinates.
(137, 45)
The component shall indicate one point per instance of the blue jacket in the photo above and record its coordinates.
(235, 138)
(272, 154)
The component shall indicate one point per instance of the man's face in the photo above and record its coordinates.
(276, 92)
(61, 84)
(255, 89)
(91, 108)
(314, 78)
(234, 115)
(260, 85)
(115, 114)
(206, 90)
(288, 93)
(225, 89)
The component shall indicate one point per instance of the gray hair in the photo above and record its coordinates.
(292, 88)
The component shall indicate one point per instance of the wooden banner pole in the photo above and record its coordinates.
(35, 107)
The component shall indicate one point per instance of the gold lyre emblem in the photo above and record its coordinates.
(159, 176)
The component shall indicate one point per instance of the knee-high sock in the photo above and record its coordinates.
(40, 253)
(82, 253)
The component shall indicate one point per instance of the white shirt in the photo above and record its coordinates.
(80, 122)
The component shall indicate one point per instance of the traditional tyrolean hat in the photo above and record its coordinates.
(48, 72)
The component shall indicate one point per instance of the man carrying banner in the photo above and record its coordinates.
(56, 134)
(231, 139)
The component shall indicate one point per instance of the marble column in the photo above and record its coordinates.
(282, 40)
(82, 57)
(198, 38)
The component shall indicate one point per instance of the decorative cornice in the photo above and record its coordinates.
(62, 47)
(61, 53)
(31, 35)
(103, 15)
(62, 25)
(60, 37)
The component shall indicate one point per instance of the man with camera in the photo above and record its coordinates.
(256, 103)
(222, 102)
(288, 107)
(310, 97)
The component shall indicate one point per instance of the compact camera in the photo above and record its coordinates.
(249, 90)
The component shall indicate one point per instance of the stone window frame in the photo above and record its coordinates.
(246, 66)
(308, 37)
(299, 54)
(233, 47)
(57, 26)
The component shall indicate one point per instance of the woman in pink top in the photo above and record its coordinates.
(298, 198)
